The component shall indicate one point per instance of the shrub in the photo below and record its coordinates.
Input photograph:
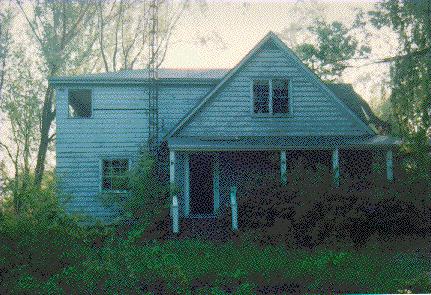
(147, 203)
(38, 240)
(310, 211)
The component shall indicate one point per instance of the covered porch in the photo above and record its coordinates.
(205, 173)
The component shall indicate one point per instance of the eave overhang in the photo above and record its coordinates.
(260, 143)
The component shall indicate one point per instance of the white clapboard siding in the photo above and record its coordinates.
(118, 128)
(313, 111)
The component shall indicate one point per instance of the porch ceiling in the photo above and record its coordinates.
(281, 143)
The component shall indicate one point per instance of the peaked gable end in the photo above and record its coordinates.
(313, 108)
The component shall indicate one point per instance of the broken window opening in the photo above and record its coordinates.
(80, 104)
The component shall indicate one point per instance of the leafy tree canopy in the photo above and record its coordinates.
(410, 69)
(334, 46)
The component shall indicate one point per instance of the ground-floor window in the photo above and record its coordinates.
(115, 175)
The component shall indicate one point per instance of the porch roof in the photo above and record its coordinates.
(281, 143)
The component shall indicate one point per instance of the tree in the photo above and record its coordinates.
(64, 32)
(21, 106)
(124, 30)
(6, 17)
(333, 47)
(410, 77)
(73, 36)
(302, 15)
(411, 67)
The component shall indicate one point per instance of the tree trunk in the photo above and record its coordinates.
(48, 116)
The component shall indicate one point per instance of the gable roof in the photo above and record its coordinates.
(280, 44)
(165, 74)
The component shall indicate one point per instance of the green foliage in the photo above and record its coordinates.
(147, 190)
(241, 269)
(334, 46)
(37, 241)
(411, 68)
(147, 201)
(20, 105)
(67, 49)
(44, 251)
(311, 212)
(417, 161)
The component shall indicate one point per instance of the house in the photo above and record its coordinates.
(219, 126)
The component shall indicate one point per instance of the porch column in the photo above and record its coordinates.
(175, 215)
(216, 181)
(172, 171)
(336, 167)
(389, 166)
(283, 167)
(234, 208)
(186, 185)
(174, 206)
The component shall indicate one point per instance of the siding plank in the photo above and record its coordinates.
(118, 128)
(313, 111)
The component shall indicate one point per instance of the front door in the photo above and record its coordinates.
(201, 184)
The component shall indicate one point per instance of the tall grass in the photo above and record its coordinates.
(181, 266)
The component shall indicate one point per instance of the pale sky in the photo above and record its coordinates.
(241, 25)
(232, 28)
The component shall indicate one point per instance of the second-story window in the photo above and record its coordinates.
(80, 103)
(271, 96)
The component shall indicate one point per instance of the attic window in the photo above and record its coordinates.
(261, 96)
(80, 104)
(271, 96)
(280, 96)
(115, 175)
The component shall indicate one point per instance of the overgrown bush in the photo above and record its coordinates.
(38, 240)
(44, 251)
(310, 211)
(145, 208)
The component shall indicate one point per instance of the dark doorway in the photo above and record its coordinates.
(201, 184)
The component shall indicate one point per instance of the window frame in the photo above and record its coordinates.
(92, 104)
(270, 107)
(112, 158)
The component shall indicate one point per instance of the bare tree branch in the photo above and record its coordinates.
(29, 22)
(101, 43)
(413, 54)
(9, 152)
(52, 137)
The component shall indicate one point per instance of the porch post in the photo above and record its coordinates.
(283, 167)
(172, 170)
(216, 181)
(234, 208)
(186, 185)
(389, 166)
(175, 215)
(336, 167)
